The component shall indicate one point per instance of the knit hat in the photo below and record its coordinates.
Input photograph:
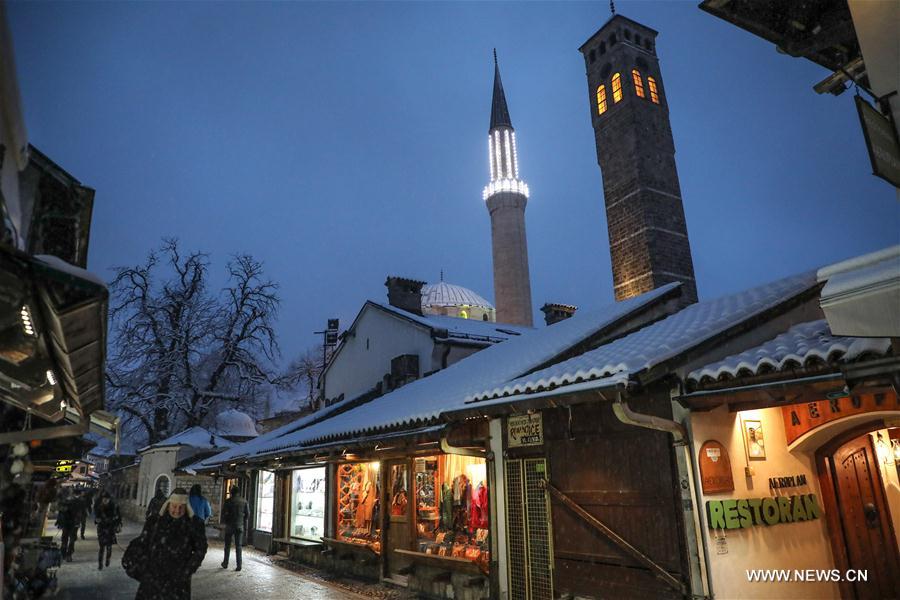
(178, 496)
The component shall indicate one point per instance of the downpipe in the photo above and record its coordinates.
(447, 448)
(626, 415)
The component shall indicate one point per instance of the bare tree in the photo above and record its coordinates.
(303, 373)
(178, 353)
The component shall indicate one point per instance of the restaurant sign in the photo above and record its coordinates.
(800, 419)
(881, 141)
(525, 430)
(748, 512)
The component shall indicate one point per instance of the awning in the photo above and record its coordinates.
(862, 296)
(53, 325)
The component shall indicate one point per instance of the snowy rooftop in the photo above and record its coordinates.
(424, 400)
(800, 346)
(196, 437)
(617, 361)
(447, 294)
(235, 423)
(461, 328)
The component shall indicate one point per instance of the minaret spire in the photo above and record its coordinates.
(499, 110)
(506, 197)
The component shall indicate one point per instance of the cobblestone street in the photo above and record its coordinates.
(259, 578)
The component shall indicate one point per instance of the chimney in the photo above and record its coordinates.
(554, 313)
(405, 294)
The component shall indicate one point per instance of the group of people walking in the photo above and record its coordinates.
(172, 544)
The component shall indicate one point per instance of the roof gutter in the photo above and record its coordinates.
(446, 448)
(628, 416)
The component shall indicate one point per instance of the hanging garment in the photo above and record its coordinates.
(446, 506)
(478, 514)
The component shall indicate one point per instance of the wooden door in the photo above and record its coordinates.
(397, 507)
(867, 529)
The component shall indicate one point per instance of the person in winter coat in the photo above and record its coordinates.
(201, 505)
(109, 521)
(176, 545)
(234, 514)
(155, 504)
(68, 519)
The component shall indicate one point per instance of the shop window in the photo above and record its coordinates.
(308, 504)
(616, 87)
(265, 500)
(399, 492)
(452, 507)
(358, 511)
(601, 99)
(654, 95)
(638, 83)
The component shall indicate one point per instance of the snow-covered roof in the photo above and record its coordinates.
(196, 437)
(235, 423)
(460, 329)
(446, 294)
(616, 362)
(424, 400)
(61, 265)
(799, 346)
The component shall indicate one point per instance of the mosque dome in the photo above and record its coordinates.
(444, 298)
(235, 423)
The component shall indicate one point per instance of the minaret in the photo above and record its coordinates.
(648, 241)
(506, 196)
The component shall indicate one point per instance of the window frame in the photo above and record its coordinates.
(602, 104)
(616, 88)
(259, 502)
(638, 82)
(654, 91)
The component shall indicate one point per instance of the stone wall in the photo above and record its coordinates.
(211, 489)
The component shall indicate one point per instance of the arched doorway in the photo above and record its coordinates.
(162, 484)
(858, 509)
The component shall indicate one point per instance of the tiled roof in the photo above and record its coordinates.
(801, 346)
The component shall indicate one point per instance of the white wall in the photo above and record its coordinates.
(154, 463)
(802, 545)
(358, 368)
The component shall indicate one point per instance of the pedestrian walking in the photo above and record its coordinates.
(84, 507)
(201, 505)
(175, 544)
(155, 504)
(68, 520)
(109, 523)
(235, 514)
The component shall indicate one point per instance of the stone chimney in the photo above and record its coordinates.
(405, 294)
(554, 313)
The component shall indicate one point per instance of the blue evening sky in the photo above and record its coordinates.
(342, 142)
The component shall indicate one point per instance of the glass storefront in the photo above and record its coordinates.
(358, 504)
(451, 500)
(265, 501)
(307, 511)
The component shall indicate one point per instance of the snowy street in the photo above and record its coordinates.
(259, 578)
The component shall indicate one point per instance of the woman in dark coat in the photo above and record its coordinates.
(108, 520)
(176, 546)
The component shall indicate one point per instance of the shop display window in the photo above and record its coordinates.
(452, 508)
(399, 492)
(265, 501)
(308, 504)
(358, 504)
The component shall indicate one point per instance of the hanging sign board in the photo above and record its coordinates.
(881, 141)
(802, 418)
(525, 430)
(715, 468)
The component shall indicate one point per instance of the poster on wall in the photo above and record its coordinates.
(715, 468)
(753, 440)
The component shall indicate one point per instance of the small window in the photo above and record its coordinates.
(638, 83)
(637, 39)
(628, 35)
(616, 88)
(613, 40)
(654, 95)
(602, 47)
(601, 99)
(592, 55)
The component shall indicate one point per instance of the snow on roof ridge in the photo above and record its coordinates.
(620, 359)
(798, 344)
(859, 262)
(424, 400)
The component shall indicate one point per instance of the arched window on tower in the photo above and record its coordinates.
(616, 88)
(601, 99)
(638, 83)
(654, 95)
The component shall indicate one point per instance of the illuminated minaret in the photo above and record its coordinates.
(506, 196)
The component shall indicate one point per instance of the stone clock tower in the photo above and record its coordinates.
(648, 240)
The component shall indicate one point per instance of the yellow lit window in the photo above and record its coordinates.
(638, 83)
(617, 88)
(654, 95)
(601, 99)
